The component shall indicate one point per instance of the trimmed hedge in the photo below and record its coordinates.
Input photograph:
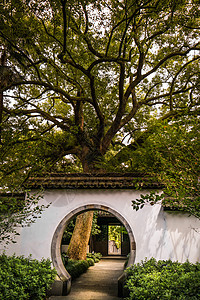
(161, 279)
(95, 256)
(25, 278)
(90, 261)
(76, 267)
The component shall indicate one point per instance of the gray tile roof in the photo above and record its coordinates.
(93, 181)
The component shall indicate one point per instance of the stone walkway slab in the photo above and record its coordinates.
(98, 283)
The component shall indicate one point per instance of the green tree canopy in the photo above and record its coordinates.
(172, 155)
(78, 76)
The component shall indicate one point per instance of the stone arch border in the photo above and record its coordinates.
(63, 275)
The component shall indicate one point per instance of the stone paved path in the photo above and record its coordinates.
(98, 283)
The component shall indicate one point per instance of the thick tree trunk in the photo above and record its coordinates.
(81, 235)
(2, 83)
(78, 245)
(1, 112)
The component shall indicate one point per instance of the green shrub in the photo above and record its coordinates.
(95, 256)
(76, 267)
(90, 261)
(126, 262)
(65, 258)
(153, 279)
(24, 278)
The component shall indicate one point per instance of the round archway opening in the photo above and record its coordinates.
(58, 234)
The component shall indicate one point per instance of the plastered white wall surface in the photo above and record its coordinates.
(157, 234)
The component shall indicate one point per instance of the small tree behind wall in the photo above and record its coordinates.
(17, 211)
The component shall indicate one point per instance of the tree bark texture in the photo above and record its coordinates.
(1, 113)
(78, 245)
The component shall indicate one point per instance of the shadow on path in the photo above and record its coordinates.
(98, 283)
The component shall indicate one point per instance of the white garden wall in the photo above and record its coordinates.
(157, 233)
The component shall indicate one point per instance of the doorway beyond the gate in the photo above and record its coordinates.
(113, 239)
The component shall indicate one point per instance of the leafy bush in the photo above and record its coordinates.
(163, 280)
(126, 261)
(24, 278)
(95, 256)
(90, 261)
(65, 258)
(76, 267)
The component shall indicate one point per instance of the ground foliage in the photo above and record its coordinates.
(76, 267)
(162, 279)
(25, 278)
(96, 256)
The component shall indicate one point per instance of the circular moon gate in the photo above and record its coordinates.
(63, 275)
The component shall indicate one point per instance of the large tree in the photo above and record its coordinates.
(79, 76)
